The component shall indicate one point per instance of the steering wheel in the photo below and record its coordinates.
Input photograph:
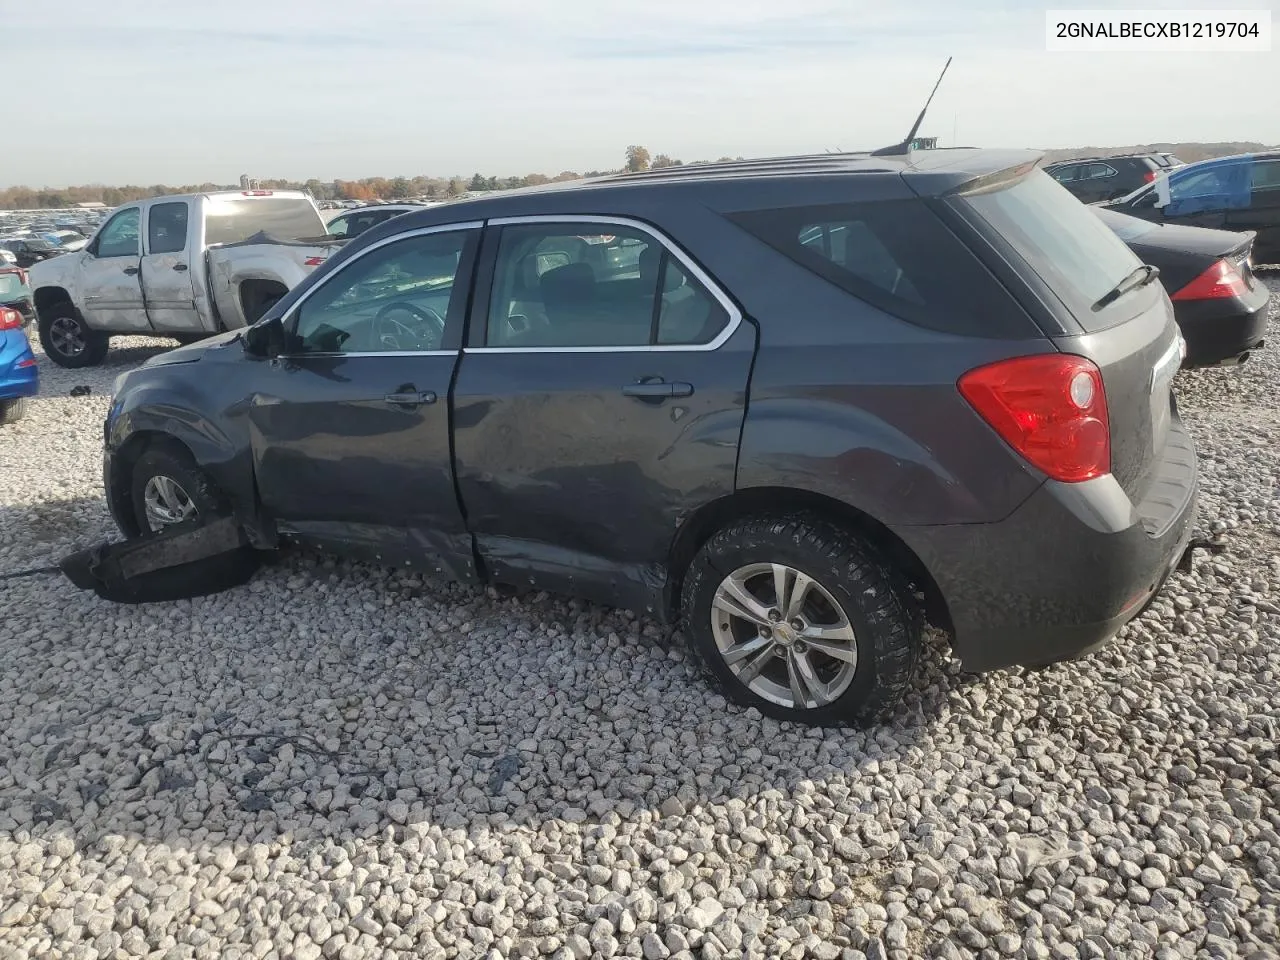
(417, 328)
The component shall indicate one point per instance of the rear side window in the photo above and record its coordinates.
(167, 227)
(1060, 238)
(898, 256)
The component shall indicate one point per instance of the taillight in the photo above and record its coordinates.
(1051, 408)
(313, 261)
(255, 193)
(1221, 281)
(10, 319)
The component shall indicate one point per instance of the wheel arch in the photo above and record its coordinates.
(124, 460)
(698, 528)
(257, 294)
(47, 297)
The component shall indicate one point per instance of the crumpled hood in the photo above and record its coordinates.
(193, 351)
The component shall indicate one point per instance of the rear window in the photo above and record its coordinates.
(1074, 252)
(236, 219)
(898, 256)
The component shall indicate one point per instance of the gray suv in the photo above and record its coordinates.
(798, 406)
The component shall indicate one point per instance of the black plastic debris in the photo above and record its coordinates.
(183, 561)
(81, 391)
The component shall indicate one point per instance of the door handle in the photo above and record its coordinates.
(657, 390)
(410, 398)
(131, 271)
(180, 267)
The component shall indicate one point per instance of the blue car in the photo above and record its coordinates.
(19, 378)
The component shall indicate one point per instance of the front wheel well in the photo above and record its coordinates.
(122, 474)
(700, 527)
(46, 297)
(257, 296)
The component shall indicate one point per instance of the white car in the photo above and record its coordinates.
(186, 267)
(352, 223)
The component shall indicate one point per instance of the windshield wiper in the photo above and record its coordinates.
(1140, 276)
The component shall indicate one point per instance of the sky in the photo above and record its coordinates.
(139, 91)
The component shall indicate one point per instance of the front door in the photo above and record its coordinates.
(350, 434)
(166, 277)
(599, 405)
(111, 292)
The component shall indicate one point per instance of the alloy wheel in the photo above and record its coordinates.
(166, 503)
(784, 635)
(67, 337)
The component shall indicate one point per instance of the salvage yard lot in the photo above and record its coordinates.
(347, 761)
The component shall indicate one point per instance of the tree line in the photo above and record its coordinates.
(637, 159)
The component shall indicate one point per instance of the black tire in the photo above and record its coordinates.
(885, 618)
(171, 462)
(11, 411)
(60, 317)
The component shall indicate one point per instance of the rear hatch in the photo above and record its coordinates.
(1074, 263)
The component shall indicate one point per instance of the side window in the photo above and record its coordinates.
(572, 285)
(338, 226)
(119, 238)
(1224, 187)
(687, 312)
(851, 245)
(1097, 171)
(1266, 176)
(167, 228)
(1065, 174)
(395, 298)
(895, 255)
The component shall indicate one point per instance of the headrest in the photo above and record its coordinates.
(572, 281)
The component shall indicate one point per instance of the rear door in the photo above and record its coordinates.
(166, 274)
(599, 402)
(111, 293)
(350, 429)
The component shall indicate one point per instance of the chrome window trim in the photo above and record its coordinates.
(735, 315)
(385, 241)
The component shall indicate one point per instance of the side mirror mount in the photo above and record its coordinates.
(265, 338)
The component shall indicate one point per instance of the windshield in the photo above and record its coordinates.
(1074, 252)
(287, 218)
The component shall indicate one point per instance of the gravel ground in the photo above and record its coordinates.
(343, 761)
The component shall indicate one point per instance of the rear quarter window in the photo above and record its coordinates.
(898, 256)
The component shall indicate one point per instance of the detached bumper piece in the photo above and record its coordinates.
(179, 563)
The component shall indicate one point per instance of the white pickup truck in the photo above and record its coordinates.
(183, 267)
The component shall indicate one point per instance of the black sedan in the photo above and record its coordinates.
(1219, 304)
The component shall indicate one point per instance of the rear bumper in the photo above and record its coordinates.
(1217, 330)
(1063, 573)
(19, 376)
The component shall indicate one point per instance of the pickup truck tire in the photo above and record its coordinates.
(798, 617)
(166, 487)
(11, 411)
(66, 339)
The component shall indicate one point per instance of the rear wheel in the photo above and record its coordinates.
(167, 488)
(12, 411)
(68, 341)
(795, 616)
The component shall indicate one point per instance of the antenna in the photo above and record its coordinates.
(903, 148)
